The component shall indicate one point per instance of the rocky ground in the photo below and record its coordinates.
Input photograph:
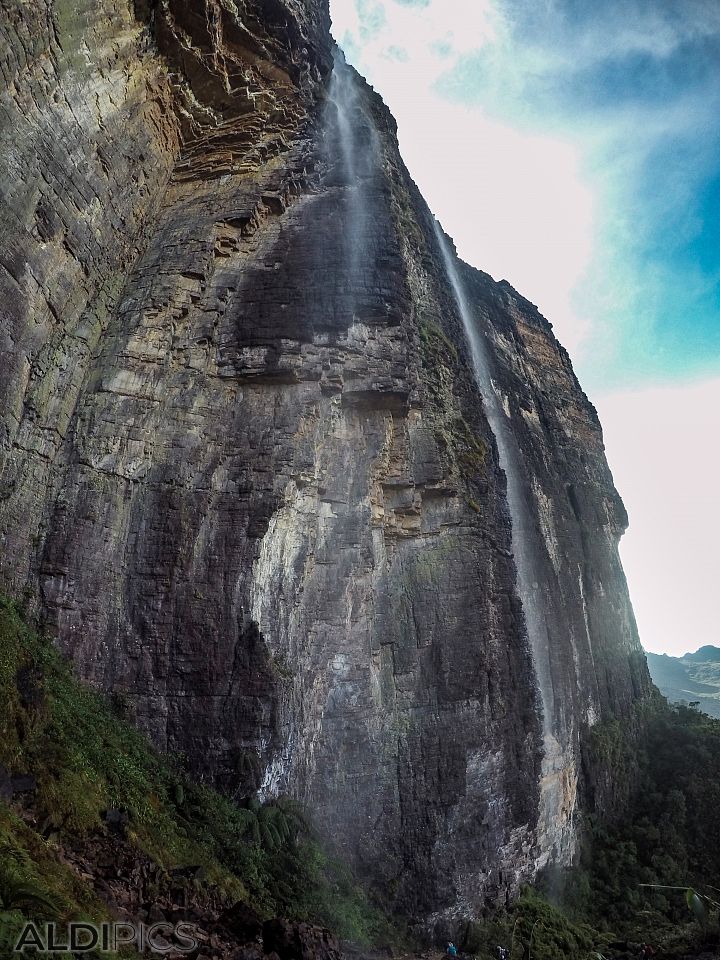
(133, 887)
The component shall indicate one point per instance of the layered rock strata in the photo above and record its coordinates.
(246, 473)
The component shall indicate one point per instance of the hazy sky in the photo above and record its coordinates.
(573, 148)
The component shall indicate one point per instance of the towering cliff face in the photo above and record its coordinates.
(249, 472)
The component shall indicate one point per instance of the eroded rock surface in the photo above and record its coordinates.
(245, 469)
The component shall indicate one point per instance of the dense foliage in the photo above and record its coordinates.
(634, 875)
(533, 927)
(86, 759)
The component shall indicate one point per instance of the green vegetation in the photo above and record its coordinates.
(35, 884)
(86, 759)
(281, 667)
(652, 876)
(472, 457)
(457, 437)
(532, 926)
(437, 345)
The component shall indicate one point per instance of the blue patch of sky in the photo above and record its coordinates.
(671, 327)
(705, 246)
(638, 78)
(669, 323)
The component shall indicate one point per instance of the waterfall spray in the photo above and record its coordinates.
(343, 94)
(354, 155)
(558, 776)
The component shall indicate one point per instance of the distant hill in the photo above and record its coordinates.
(706, 654)
(694, 677)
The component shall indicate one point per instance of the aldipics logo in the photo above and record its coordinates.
(76, 937)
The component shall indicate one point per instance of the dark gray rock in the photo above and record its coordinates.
(15, 785)
(6, 787)
(299, 941)
(116, 820)
(251, 952)
(244, 464)
(242, 922)
(23, 783)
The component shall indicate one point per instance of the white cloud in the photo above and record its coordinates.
(662, 445)
(420, 30)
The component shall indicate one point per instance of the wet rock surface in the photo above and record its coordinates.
(245, 471)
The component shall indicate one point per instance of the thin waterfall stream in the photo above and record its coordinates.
(357, 145)
(558, 766)
(354, 140)
(352, 152)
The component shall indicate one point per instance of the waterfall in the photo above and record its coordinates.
(356, 137)
(354, 156)
(343, 94)
(558, 774)
(354, 152)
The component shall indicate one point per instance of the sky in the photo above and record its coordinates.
(573, 148)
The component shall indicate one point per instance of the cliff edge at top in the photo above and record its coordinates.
(326, 505)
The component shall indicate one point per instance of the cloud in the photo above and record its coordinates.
(371, 19)
(415, 25)
(662, 448)
(580, 31)
(397, 53)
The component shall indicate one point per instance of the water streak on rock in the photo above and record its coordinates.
(558, 769)
(353, 151)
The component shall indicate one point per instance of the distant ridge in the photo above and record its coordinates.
(706, 654)
(694, 678)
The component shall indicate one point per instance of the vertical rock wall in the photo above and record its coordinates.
(87, 140)
(246, 472)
